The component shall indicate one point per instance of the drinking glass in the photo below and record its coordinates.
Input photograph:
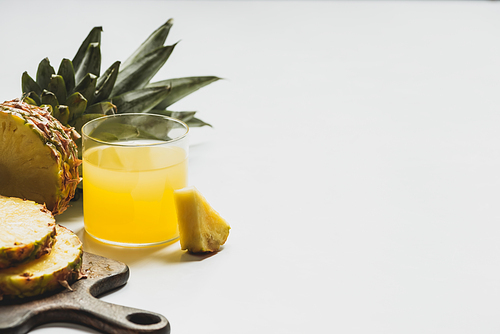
(132, 163)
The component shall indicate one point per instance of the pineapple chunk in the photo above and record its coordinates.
(201, 228)
(27, 231)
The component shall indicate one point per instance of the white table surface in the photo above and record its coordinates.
(355, 153)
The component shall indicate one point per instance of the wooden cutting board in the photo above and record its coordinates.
(80, 305)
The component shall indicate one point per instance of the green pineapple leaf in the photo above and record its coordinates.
(104, 108)
(106, 82)
(196, 122)
(153, 42)
(44, 73)
(117, 131)
(29, 85)
(180, 115)
(77, 105)
(34, 96)
(181, 87)
(140, 100)
(94, 36)
(63, 114)
(79, 122)
(138, 74)
(58, 87)
(91, 62)
(49, 98)
(67, 71)
(86, 87)
(123, 88)
(185, 116)
(29, 100)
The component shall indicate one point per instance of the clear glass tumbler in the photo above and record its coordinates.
(132, 163)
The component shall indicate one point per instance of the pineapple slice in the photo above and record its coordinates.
(201, 228)
(27, 231)
(48, 273)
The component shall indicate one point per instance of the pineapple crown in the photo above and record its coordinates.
(78, 92)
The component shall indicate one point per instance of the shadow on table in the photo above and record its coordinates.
(74, 212)
(166, 253)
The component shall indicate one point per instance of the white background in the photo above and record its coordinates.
(355, 153)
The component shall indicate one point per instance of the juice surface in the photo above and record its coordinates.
(128, 193)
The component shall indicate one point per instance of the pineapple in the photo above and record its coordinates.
(79, 93)
(59, 268)
(27, 231)
(201, 228)
(38, 156)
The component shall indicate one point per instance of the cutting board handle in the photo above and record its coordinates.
(88, 311)
(107, 317)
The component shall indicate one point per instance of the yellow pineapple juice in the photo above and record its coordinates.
(128, 192)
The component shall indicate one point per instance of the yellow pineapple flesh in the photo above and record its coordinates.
(201, 228)
(27, 231)
(38, 156)
(51, 272)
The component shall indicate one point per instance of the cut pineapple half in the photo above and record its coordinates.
(27, 231)
(48, 273)
(38, 157)
(201, 228)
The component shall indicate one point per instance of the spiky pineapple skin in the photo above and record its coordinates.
(57, 139)
(14, 256)
(18, 252)
(24, 283)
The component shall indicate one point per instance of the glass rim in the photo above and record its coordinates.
(163, 142)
